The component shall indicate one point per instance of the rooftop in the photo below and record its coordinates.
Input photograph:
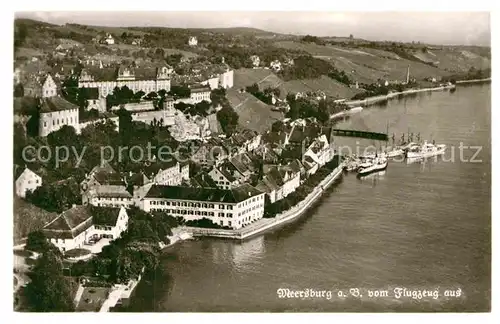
(234, 195)
(55, 104)
(70, 223)
(105, 215)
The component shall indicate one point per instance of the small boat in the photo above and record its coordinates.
(425, 150)
(407, 146)
(395, 152)
(378, 164)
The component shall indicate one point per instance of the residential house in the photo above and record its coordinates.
(234, 208)
(255, 60)
(280, 181)
(26, 180)
(200, 93)
(103, 186)
(212, 152)
(226, 176)
(82, 226)
(49, 87)
(203, 180)
(275, 65)
(110, 196)
(246, 140)
(320, 151)
(109, 40)
(167, 173)
(193, 41)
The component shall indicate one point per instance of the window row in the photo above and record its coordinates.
(189, 204)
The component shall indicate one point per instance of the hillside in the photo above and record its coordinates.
(367, 65)
(28, 218)
(267, 79)
(253, 113)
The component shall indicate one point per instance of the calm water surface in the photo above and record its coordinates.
(424, 226)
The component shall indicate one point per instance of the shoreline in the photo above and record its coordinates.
(265, 224)
(376, 99)
(473, 81)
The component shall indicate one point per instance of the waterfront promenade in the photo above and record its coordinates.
(264, 224)
(376, 99)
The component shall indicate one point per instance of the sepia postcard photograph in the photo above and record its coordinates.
(251, 161)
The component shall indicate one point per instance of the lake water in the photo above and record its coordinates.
(419, 226)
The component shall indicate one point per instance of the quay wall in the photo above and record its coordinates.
(376, 99)
(473, 81)
(268, 223)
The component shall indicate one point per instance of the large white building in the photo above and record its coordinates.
(56, 112)
(80, 226)
(136, 79)
(27, 181)
(234, 208)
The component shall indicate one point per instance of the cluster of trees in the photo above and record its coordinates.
(340, 76)
(138, 248)
(312, 39)
(238, 56)
(122, 260)
(48, 290)
(265, 96)
(56, 196)
(199, 109)
(472, 74)
(227, 117)
(180, 91)
(174, 59)
(308, 67)
(271, 210)
(204, 223)
(305, 108)
(376, 89)
(122, 96)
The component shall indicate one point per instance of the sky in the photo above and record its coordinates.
(447, 28)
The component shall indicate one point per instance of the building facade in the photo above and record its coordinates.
(27, 181)
(146, 80)
(56, 112)
(49, 87)
(233, 208)
(81, 226)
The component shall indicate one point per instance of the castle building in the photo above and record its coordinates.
(136, 79)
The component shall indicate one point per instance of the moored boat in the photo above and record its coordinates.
(425, 150)
(378, 164)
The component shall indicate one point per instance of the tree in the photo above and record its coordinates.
(48, 290)
(37, 242)
(278, 126)
(228, 119)
(351, 36)
(18, 90)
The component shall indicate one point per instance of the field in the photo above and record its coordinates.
(253, 113)
(266, 78)
(367, 65)
(28, 218)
